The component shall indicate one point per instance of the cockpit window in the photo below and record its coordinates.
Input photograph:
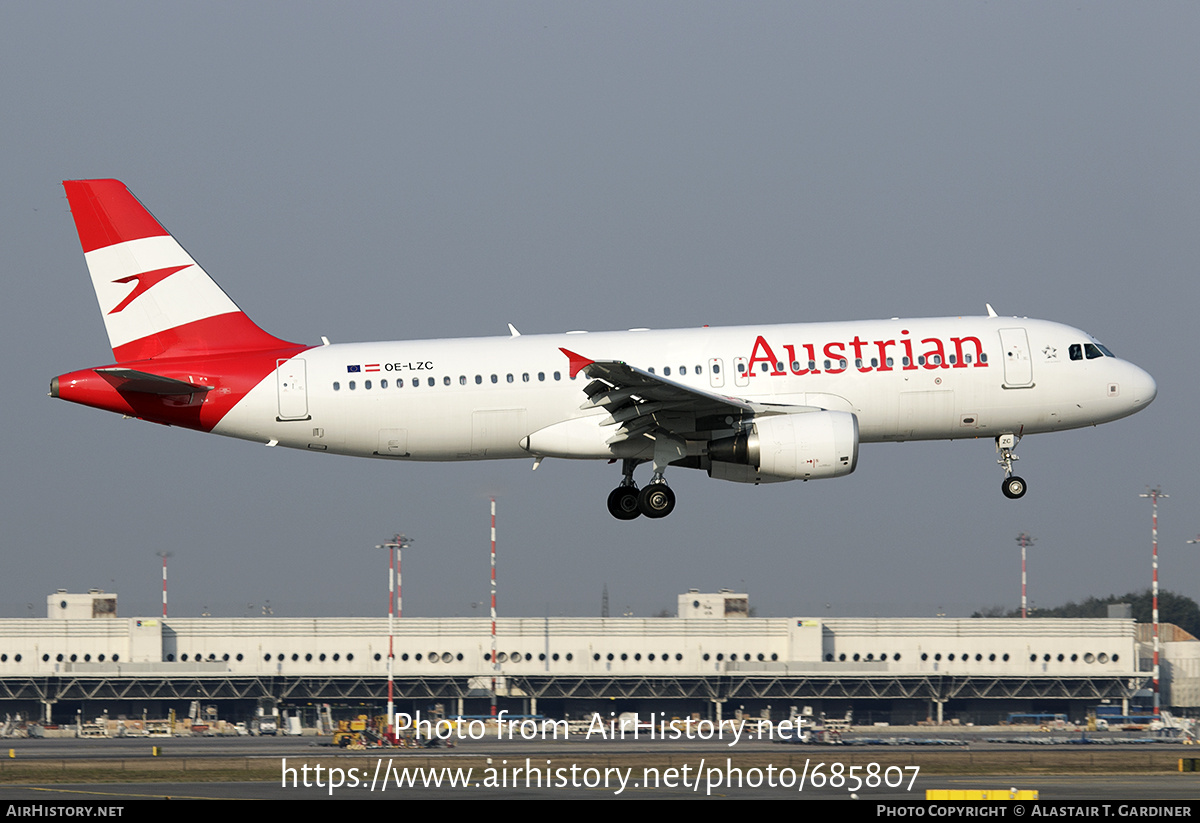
(1089, 350)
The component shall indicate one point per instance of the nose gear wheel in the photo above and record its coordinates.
(1014, 488)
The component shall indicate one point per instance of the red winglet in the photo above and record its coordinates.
(578, 361)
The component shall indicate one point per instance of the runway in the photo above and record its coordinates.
(100, 771)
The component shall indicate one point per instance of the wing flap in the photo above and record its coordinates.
(640, 403)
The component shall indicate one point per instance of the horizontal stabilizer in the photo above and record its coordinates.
(132, 380)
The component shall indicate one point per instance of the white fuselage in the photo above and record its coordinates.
(487, 398)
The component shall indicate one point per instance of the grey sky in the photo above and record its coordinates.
(412, 170)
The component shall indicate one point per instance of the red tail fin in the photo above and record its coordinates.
(156, 300)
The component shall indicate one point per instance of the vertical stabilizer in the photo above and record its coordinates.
(156, 300)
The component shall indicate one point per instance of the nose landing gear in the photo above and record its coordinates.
(1013, 487)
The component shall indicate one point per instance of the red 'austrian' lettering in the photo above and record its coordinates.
(936, 354)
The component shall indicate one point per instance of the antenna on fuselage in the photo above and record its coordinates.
(512, 330)
(991, 311)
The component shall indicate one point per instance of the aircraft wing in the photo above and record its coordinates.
(639, 402)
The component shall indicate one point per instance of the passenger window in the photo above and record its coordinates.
(525, 377)
(495, 379)
(716, 368)
(651, 370)
(795, 365)
(741, 367)
(431, 381)
(446, 380)
(666, 371)
(383, 383)
(509, 378)
(399, 382)
(541, 377)
(462, 380)
(982, 357)
(336, 385)
(478, 379)
(351, 385)
(366, 384)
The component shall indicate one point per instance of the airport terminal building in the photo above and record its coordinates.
(712, 660)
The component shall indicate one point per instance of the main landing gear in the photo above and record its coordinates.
(1013, 487)
(626, 502)
(623, 502)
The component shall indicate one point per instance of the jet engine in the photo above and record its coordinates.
(800, 446)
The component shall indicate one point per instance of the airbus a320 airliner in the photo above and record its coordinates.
(751, 404)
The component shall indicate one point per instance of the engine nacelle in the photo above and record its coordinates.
(788, 447)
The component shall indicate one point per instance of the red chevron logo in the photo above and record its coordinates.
(145, 281)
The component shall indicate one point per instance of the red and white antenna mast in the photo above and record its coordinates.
(495, 660)
(395, 548)
(1025, 540)
(164, 556)
(1155, 494)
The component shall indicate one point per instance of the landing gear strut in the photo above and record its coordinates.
(1013, 487)
(623, 501)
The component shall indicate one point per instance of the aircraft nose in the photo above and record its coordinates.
(1144, 387)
